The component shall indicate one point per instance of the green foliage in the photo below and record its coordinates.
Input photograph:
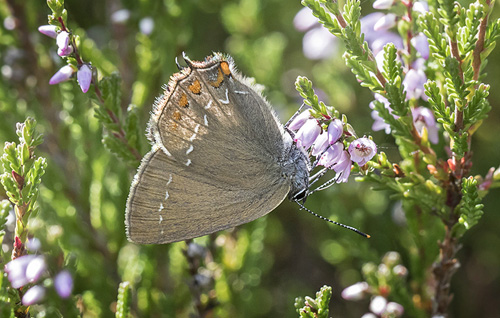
(124, 299)
(315, 308)
(470, 210)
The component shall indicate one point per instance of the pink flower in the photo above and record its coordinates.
(414, 84)
(308, 133)
(320, 144)
(377, 305)
(84, 76)
(63, 42)
(335, 131)
(343, 167)
(379, 123)
(421, 44)
(423, 117)
(35, 269)
(300, 120)
(331, 156)
(386, 22)
(382, 4)
(62, 75)
(362, 150)
(16, 270)
(33, 295)
(63, 284)
(48, 30)
(356, 291)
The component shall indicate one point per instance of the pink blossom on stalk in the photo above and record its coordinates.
(420, 6)
(382, 4)
(367, 23)
(378, 304)
(423, 117)
(305, 20)
(33, 295)
(63, 43)
(62, 75)
(308, 133)
(383, 38)
(394, 309)
(320, 144)
(63, 284)
(84, 76)
(48, 30)
(362, 150)
(16, 270)
(379, 123)
(343, 167)
(356, 291)
(299, 120)
(386, 22)
(331, 156)
(414, 84)
(421, 44)
(35, 269)
(335, 130)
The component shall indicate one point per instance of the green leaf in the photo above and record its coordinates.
(124, 300)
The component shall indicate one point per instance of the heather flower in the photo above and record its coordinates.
(356, 291)
(299, 120)
(62, 75)
(394, 309)
(420, 43)
(362, 150)
(16, 270)
(147, 25)
(120, 16)
(320, 144)
(331, 156)
(420, 6)
(369, 315)
(386, 22)
(414, 84)
(308, 133)
(383, 38)
(423, 117)
(33, 295)
(343, 167)
(383, 4)
(318, 43)
(35, 269)
(33, 244)
(63, 43)
(335, 130)
(48, 30)
(63, 283)
(84, 76)
(367, 23)
(378, 304)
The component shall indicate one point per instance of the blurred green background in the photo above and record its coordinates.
(262, 266)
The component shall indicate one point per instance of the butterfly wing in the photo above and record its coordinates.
(216, 159)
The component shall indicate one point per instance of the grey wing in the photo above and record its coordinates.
(168, 203)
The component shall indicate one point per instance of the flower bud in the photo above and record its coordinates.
(48, 30)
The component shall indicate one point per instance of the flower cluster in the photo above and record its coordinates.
(324, 139)
(376, 27)
(382, 280)
(65, 48)
(29, 269)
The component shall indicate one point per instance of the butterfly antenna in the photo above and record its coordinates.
(334, 222)
(295, 115)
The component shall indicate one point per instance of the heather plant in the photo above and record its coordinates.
(418, 80)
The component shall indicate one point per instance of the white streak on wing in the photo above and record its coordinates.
(169, 179)
(161, 208)
(206, 120)
(197, 128)
(241, 92)
(226, 101)
(161, 219)
(192, 137)
(191, 148)
(209, 104)
(166, 195)
(188, 162)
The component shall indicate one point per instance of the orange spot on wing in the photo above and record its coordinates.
(219, 80)
(177, 115)
(195, 88)
(225, 68)
(183, 101)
